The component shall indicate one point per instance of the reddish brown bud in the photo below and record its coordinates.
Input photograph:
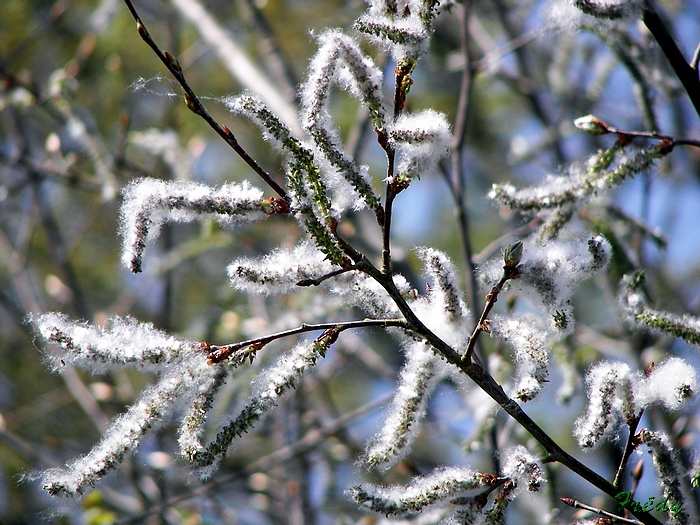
(172, 61)
(664, 147)
(191, 105)
(142, 30)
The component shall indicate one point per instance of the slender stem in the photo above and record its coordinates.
(488, 384)
(624, 135)
(388, 210)
(217, 354)
(319, 280)
(457, 182)
(655, 135)
(481, 325)
(684, 71)
(194, 104)
(632, 443)
(578, 505)
(401, 84)
(270, 49)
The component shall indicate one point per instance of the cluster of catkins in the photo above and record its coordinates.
(323, 181)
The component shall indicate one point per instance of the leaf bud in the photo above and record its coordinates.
(191, 105)
(512, 254)
(592, 125)
(172, 61)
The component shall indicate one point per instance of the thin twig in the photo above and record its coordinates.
(578, 505)
(270, 50)
(402, 83)
(217, 354)
(599, 127)
(237, 62)
(196, 106)
(319, 280)
(482, 323)
(630, 446)
(457, 179)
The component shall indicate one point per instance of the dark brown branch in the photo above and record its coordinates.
(239, 352)
(632, 444)
(597, 127)
(684, 71)
(402, 83)
(488, 384)
(457, 179)
(319, 280)
(511, 257)
(194, 104)
(482, 323)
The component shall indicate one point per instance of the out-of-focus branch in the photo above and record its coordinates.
(276, 63)
(457, 179)
(237, 62)
(311, 440)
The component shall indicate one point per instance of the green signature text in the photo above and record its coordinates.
(626, 502)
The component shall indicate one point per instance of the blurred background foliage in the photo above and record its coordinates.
(85, 107)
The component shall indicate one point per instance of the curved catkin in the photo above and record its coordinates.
(340, 61)
(420, 494)
(531, 344)
(417, 380)
(609, 402)
(149, 203)
(281, 271)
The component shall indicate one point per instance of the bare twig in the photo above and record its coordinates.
(393, 187)
(456, 179)
(196, 106)
(511, 257)
(598, 127)
(276, 63)
(217, 354)
(632, 443)
(684, 71)
(578, 505)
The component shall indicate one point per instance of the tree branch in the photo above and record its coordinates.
(684, 71)
(217, 354)
(196, 106)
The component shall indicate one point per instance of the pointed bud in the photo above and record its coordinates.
(592, 125)
(191, 105)
(142, 30)
(638, 471)
(172, 61)
(512, 254)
